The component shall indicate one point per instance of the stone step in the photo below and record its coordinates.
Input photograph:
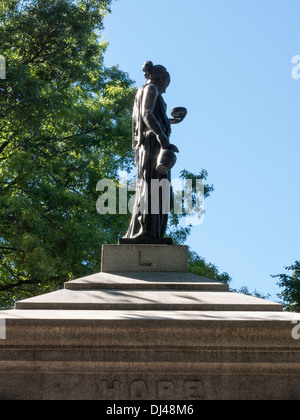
(149, 355)
(146, 281)
(149, 330)
(106, 300)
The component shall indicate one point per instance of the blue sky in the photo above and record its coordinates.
(231, 66)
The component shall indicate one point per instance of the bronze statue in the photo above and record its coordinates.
(154, 156)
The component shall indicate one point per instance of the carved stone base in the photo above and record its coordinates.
(96, 355)
(144, 258)
(148, 335)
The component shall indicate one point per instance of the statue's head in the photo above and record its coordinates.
(158, 75)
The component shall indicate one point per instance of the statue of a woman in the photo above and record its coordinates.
(151, 133)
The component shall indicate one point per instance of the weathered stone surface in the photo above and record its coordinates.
(147, 328)
(148, 300)
(148, 335)
(144, 258)
(140, 355)
(182, 291)
(146, 281)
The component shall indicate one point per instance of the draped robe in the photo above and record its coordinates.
(145, 222)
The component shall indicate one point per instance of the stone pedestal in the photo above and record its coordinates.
(144, 258)
(143, 330)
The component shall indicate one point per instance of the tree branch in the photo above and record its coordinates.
(20, 283)
(8, 248)
(33, 58)
(3, 146)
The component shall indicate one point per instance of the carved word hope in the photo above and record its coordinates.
(141, 389)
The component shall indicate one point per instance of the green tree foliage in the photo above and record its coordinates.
(245, 291)
(291, 285)
(198, 266)
(65, 124)
(178, 229)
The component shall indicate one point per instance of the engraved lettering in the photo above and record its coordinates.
(193, 389)
(165, 390)
(138, 390)
(111, 390)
